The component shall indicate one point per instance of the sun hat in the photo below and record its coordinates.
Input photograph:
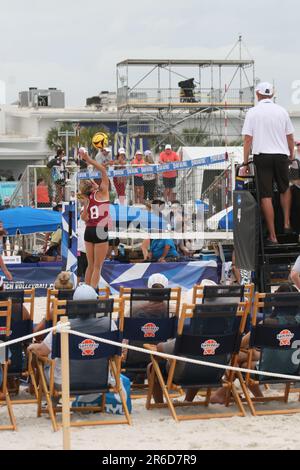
(158, 279)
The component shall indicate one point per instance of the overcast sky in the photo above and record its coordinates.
(75, 45)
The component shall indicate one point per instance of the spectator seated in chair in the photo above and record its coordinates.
(62, 282)
(82, 292)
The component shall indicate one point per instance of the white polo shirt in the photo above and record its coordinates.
(268, 124)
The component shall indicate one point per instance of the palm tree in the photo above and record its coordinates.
(54, 140)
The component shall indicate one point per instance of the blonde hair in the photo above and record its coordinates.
(149, 159)
(63, 281)
(86, 188)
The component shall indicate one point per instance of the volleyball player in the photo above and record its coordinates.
(96, 215)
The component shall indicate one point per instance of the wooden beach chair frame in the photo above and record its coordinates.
(104, 293)
(198, 294)
(259, 302)
(49, 391)
(5, 311)
(228, 379)
(140, 390)
(29, 298)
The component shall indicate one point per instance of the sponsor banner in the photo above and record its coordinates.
(182, 274)
(115, 275)
(156, 169)
(27, 277)
(12, 259)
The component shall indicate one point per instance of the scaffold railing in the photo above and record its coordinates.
(192, 97)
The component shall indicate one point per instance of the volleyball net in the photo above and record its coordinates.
(185, 200)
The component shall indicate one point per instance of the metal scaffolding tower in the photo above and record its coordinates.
(189, 102)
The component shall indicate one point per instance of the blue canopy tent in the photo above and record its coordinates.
(26, 220)
(137, 217)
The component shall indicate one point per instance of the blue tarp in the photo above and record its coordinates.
(136, 216)
(28, 220)
(222, 221)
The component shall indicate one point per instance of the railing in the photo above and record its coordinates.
(178, 96)
(25, 193)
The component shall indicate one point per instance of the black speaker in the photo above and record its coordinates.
(245, 230)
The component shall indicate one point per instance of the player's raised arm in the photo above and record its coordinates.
(85, 156)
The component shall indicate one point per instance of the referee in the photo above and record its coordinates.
(269, 132)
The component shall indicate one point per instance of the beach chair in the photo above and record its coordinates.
(5, 326)
(92, 364)
(235, 293)
(21, 325)
(66, 294)
(152, 316)
(213, 334)
(275, 326)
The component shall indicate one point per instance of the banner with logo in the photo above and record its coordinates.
(183, 274)
(161, 168)
(115, 275)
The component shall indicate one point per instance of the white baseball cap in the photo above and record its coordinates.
(121, 150)
(107, 149)
(168, 147)
(85, 292)
(207, 282)
(138, 152)
(158, 279)
(265, 88)
(148, 153)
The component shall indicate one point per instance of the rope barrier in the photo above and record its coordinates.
(66, 328)
(5, 344)
(292, 378)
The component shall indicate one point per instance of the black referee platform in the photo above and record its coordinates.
(271, 264)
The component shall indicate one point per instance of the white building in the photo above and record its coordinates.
(23, 130)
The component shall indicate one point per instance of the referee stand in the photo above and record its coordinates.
(270, 264)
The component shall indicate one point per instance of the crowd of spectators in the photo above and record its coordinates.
(145, 186)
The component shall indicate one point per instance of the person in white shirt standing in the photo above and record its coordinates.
(269, 132)
(295, 273)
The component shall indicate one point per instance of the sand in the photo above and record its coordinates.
(155, 429)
